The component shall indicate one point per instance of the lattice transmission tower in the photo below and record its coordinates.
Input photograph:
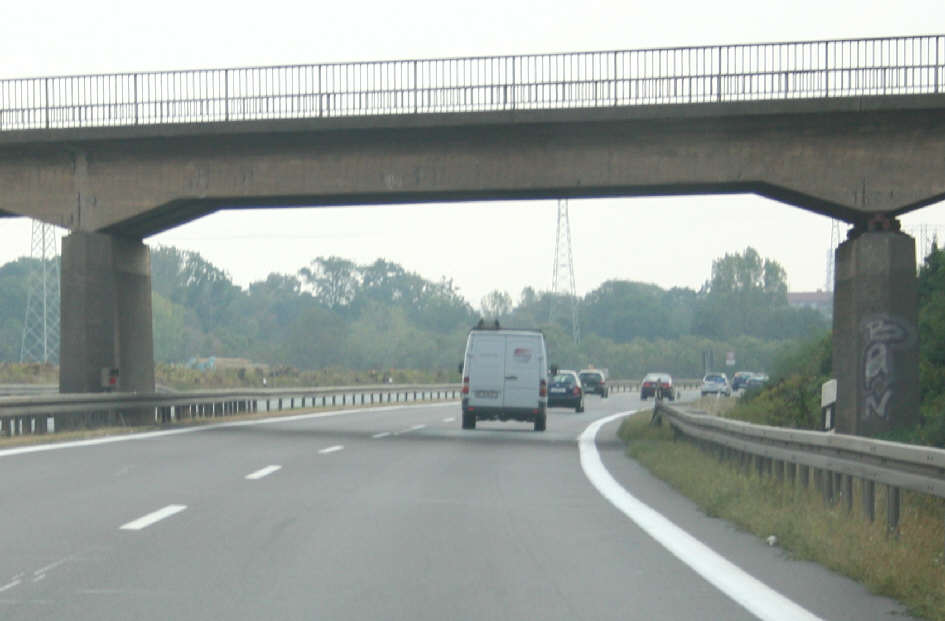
(41, 326)
(835, 239)
(562, 282)
(925, 235)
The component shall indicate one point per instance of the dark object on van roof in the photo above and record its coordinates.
(482, 325)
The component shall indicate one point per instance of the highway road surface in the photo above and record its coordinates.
(390, 513)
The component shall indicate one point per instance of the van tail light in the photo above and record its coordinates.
(465, 389)
(542, 388)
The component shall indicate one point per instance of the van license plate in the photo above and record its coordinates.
(487, 394)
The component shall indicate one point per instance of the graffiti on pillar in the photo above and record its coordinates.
(882, 334)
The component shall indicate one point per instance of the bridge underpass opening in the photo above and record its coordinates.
(670, 241)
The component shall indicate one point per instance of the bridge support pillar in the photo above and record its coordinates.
(105, 315)
(875, 344)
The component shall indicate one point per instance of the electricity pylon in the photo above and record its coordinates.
(562, 282)
(41, 325)
(835, 239)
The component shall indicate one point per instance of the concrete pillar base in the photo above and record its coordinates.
(875, 344)
(105, 314)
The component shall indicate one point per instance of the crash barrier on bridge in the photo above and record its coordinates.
(833, 461)
(719, 73)
(62, 412)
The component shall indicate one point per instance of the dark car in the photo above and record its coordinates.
(594, 382)
(654, 382)
(741, 379)
(565, 391)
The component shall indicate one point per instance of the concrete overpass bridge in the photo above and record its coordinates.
(852, 129)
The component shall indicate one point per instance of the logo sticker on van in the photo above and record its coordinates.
(522, 354)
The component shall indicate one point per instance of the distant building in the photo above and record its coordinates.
(818, 300)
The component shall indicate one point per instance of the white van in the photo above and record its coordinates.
(505, 377)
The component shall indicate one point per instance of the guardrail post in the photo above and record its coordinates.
(280, 404)
(828, 487)
(804, 472)
(868, 497)
(779, 470)
(792, 473)
(892, 510)
(848, 492)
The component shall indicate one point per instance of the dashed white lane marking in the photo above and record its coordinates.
(746, 590)
(156, 516)
(262, 472)
(382, 434)
(10, 585)
(331, 449)
(409, 429)
(449, 420)
(40, 573)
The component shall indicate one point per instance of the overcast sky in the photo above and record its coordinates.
(482, 246)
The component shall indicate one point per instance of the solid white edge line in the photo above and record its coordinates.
(382, 434)
(262, 472)
(155, 516)
(9, 585)
(331, 449)
(145, 435)
(746, 590)
(449, 420)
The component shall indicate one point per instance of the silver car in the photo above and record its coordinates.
(716, 384)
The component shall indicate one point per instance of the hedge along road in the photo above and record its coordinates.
(390, 513)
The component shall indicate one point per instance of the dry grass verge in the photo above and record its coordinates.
(910, 568)
(101, 432)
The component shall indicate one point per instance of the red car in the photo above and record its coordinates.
(657, 381)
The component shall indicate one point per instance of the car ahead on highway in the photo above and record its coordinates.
(504, 377)
(594, 382)
(740, 379)
(565, 391)
(654, 382)
(757, 380)
(715, 384)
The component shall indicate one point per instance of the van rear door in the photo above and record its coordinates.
(487, 369)
(524, 363)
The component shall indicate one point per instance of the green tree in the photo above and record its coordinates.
(496, 305)
(334, 280)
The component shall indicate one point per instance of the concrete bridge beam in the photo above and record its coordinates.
(875, 333)
(105, 313)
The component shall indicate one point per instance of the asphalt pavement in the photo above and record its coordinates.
(388, 513)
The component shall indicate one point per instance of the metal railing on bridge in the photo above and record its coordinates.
(721, 73)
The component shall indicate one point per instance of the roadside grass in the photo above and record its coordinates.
(909, 568)
(717, 406)
(101, 432)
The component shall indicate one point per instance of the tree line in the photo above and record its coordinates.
(337, 313)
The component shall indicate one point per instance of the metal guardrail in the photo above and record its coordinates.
(58, 412)
(835, 460)
(722, 73)
(44, 413)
